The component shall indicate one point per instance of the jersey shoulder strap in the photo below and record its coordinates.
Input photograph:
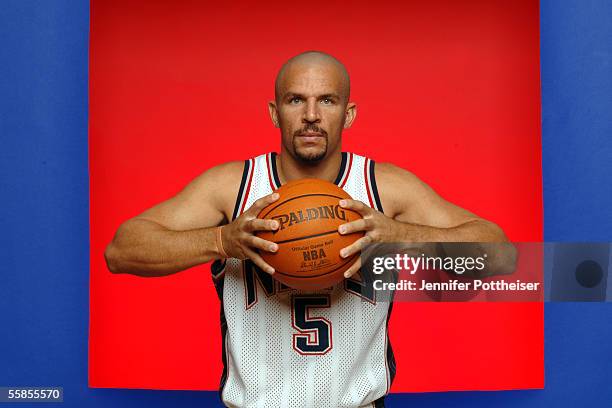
(360, 180)
(258, 181)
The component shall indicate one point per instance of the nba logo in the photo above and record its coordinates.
(578, 272)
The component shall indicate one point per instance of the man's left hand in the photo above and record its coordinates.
(377, 226)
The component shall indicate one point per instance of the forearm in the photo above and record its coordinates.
(472, 231)
(145, 248)
(472, 239)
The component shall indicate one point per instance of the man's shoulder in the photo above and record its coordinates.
(226, 169)
(232, 169)
(398, 188)
(218, 185)
(222, 174)
(386, 169)
(390, 175)
(219, 179)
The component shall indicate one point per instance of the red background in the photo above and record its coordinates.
(446, 89)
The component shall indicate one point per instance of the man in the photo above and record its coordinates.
(282, 347)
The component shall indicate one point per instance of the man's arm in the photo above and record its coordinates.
(182, 232)
(426, 215)
(415, 213)
(178, 233)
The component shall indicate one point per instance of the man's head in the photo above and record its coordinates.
(311, 105)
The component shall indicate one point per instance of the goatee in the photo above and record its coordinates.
(310, 157)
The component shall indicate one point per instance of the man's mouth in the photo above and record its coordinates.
(311, 137)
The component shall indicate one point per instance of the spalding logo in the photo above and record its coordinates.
(310, 214)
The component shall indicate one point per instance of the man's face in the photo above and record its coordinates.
(311, 110)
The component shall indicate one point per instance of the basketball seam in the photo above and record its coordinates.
(322, 274)
(306, 237)
(295, 198)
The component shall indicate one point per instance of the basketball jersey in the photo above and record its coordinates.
(289, 348)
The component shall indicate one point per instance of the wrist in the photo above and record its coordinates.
(220, 249)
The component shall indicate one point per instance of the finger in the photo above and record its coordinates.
(355, 247)
(356, 205)
(257, 224)
(258, 260)
(353, 269)
(361, 224)
(262, 203)
(260, 243)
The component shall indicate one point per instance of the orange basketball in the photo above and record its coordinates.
(309, 244)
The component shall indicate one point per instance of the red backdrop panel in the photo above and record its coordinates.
(446, 89)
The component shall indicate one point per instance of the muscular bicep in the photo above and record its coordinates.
(411, 200)
(204, 202)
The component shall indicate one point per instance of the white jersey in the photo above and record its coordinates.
(288, 348)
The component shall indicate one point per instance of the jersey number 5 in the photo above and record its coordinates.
(314, 334)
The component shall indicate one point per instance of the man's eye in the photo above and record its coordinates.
(295, 100)
(326, 101)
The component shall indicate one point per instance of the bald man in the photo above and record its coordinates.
(283, 347)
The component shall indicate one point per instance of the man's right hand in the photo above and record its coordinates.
(238, 237)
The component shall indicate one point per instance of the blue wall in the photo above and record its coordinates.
(44, 217)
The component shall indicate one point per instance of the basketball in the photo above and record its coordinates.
(309, 244)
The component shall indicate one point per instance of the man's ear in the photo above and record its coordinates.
(273, 113)
(349, 114)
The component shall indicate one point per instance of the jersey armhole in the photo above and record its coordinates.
(218, 266)
(240, 197)
(375, 187)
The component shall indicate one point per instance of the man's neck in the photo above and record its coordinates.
(290, 169)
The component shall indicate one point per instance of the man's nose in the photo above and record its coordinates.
(311, 114)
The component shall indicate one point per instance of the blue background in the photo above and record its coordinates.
(44, 217)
